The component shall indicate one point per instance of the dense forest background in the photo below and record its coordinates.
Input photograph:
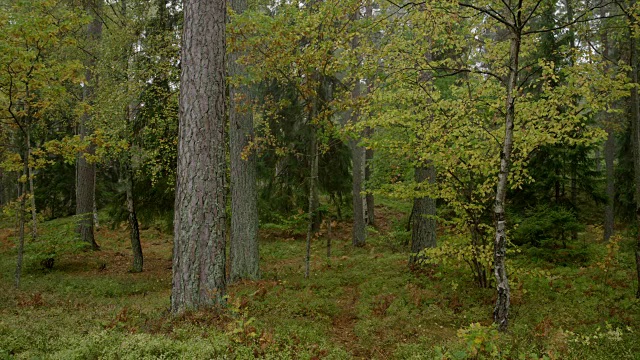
(319, 179)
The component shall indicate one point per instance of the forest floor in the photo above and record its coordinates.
(363, 303)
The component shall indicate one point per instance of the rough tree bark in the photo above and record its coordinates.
(86, 171)
(423, 234)
(635, 137)
(199, 277)
(244, 253)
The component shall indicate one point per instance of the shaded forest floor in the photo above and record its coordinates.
(359, 303)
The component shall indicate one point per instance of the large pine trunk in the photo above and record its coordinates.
(199, 277)
(244, 253)
(86, 171)
(423, 234)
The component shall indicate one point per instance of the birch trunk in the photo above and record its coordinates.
(501, 311)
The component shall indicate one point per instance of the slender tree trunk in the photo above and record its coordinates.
(423, 234)
(573, 150)
(244, 253)
(96, 220)
(368, 132)
(358, 159)
(134, 228)
(368, 157)
(21, 221)
(609, 157)
(129, 171)
(359, 222)
(32, 191)
(199, 272)
(609, 153)
(86, 171)
(329, 235)
(501, 311)
(313, 205)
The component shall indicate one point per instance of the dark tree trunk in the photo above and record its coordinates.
(32, 190)
(423, 234)
(609, 157)
(368, 170)
(313, 204)
(609, 153)
(86, 171)
(368, 156)
(635, 128)
(359, 222)
(21, 221)
(329, 235)
(136, 247)
(199, 278)
(244, 255)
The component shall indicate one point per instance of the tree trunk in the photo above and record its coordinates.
(609, 154)
(96, 220)
(199, 277)
(609, 157)
(134, 229)
(501, 311)
(86, 171)
(359, 221)
(423, 234)
(34, 214)
(129, 171)
(368, 132)
(329, 235)
(635, 129)
(244, 253)
(313, 205)
(21, 220)
(368, 157)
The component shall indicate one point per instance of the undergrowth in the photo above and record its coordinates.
(360, 303)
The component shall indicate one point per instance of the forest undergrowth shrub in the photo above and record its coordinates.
(459, 252)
